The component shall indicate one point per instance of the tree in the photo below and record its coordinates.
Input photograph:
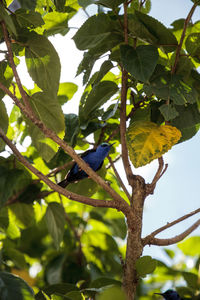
(152, 103)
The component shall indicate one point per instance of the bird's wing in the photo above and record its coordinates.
(87, 152)
(99, 166)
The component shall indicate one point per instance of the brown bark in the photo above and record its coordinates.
(134, 240)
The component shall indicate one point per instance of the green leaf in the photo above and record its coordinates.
(72, 128)
(16, 256)
(112, 293)
(27, 4)
(56, 22)
(49, 111)
(170, 253)
(6, 76)
(170, 87)
(139, 62)
(110, 3)
(85, 3)
(66, 91)
(12, 231)
(168, 111)
(4, 220)
(104, 281)
(60, 289)
(43, 63)
(93, 32)
(145, 265)
(164, 37)
(191, 279)
(192, 45)
(147, 141)
(27, 18)
(98, 96)
(13, 287)
(54, 269)
(110, 111)
(3, 122)
(24, 214)
(190, 246)
(7, 19)
(188, 121)
(55, 220)
(105, 67)
(75, 295)
(8, 182)
(136, 5)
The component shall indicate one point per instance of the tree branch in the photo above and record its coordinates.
(79, 198)
(161, 170)
(12, 64)
(178, 50)
(151, 236)
(124, 89)
(176, 239)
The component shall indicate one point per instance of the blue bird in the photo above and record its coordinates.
(93, 157)
(170, 295)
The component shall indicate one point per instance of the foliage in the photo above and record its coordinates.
(77, 250)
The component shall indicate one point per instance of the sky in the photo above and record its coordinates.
(177, 192)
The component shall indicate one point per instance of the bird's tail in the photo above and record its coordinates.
(63, 183)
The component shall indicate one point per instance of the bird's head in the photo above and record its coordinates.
(170, 295)
(103, 149)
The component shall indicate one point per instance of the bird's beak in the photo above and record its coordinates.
(158, 294)
(112, 144)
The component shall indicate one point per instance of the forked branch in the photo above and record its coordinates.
(151, 237)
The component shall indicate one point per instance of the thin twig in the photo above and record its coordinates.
(119, 179)
(168, 225)
(58, 169)
(160, 172)
(176, 239)
(178, 50)
(114, 161)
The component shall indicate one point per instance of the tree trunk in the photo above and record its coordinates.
(134, 240)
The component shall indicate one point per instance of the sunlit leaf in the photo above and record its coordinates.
(112, 293)
(66, 91)
(43, 63)
(148, 141)
(49, 111)
(190, 246)
(56, 22)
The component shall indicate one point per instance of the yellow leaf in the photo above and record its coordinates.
(147, 141)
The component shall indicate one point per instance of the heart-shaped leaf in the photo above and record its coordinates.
(147, 141)
(139, 62)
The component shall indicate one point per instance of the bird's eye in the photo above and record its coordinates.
(104, 145)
